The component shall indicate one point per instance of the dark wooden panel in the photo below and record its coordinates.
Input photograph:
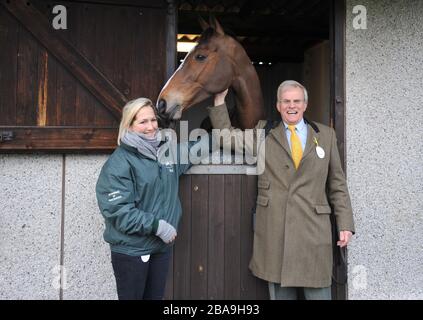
(66, 138)
(106, 49)
(182, 251)
(232, 236)
(65, 77)
(337, 40)
(77, 64)
(65, 96)
(216, 233)
(199, 236)
(248, 282)
(8, 66)
(171, 31)
(86, 104)
(53, 115)
(150, 59)
(27, 79)
(134, 3)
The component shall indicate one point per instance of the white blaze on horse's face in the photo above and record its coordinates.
(205, 71)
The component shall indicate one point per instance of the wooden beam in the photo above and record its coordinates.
(259, 25)
(75, 62)
(60, 139)
(127, 3)
(171, 31)
(276, 52)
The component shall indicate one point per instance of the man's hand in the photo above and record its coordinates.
(219, 98)
(344, 238)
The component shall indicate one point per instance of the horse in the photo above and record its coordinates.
(216, 63)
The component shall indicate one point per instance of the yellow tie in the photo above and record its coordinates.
(296, 149)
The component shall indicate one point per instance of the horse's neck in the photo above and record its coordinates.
(249, 97)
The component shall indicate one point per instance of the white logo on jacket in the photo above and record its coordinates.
(114, 195)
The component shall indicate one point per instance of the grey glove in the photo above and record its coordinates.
(166, 232)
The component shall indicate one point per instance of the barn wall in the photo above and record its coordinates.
(38, 234)
(51, 219)
(384, 151)
(30, 218)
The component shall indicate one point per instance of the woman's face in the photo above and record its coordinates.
(145, 122)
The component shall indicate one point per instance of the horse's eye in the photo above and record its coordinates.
(200, 57)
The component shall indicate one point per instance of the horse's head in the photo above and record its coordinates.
(206, 70)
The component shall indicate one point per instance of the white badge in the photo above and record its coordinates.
(320, 152)
(145, 258)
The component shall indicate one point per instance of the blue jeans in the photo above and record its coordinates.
(277, 292)
(138, 280)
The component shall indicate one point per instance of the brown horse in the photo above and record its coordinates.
(215, 64)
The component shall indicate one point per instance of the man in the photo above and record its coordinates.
(302, 179)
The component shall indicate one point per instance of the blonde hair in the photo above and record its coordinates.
(291, 83)
(129, 113)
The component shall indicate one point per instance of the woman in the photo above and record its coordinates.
(138, 197)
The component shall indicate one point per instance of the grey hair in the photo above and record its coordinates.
(292, 83)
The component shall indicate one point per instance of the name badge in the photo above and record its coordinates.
(319, 150)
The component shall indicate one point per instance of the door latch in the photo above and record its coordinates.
(6, 136)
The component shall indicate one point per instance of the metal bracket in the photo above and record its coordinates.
(6, 136)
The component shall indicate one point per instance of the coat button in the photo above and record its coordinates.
(195, 188)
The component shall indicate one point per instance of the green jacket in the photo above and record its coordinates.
(133, 194)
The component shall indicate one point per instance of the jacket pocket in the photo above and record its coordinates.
(262, 201)
(263, 184)
(324, 209)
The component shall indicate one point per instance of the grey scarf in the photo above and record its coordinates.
(145, 145)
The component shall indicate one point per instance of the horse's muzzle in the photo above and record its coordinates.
(161, 106)
(166, 118)
(163, 112)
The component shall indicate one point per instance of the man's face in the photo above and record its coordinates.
(291, 105)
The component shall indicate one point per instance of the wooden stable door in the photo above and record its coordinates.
(64, 89)
(215, 240)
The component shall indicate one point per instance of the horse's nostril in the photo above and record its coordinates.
(162, 106)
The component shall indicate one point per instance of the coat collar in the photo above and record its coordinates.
(280, 136)
(132, 150)
(311, 134)
(128, 147)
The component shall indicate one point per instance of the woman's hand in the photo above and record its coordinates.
(219, 98)
(166, 232)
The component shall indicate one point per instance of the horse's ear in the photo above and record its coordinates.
(204, 25)
(216, 25)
